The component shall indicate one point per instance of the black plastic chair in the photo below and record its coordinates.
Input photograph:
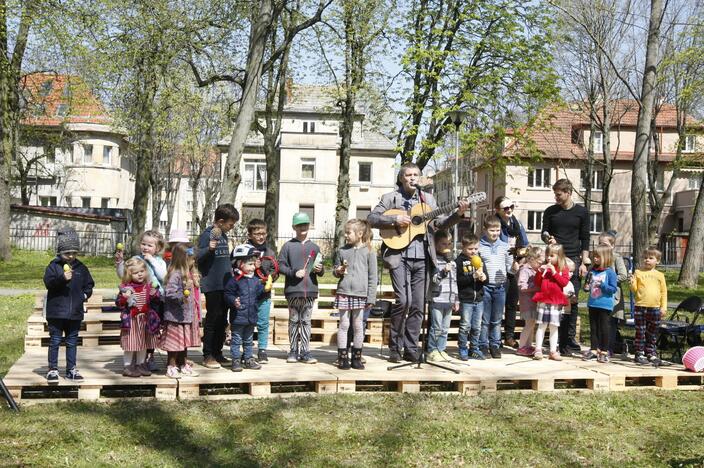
(678, 328)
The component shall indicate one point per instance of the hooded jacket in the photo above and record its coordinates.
(64, 299)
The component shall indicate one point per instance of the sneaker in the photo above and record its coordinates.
(602, 358)
(525, 351)
(236, 366)
(211, 363)
(251, 363)
(222, 360)
(589, 356)
(307, 358)
(654, 360)
(172, 372)
(538, 355)
(143, 369)
(445, 356)
(394, 357)
(495, 353)
(262, 357)
(74, 375)
(573, 346)
(409, 357)
(484, 350)
(464, 354)
(555, 356)
(52, 377)
(131, 371)
(511, 343)
(640, 359)
(434, 356)
(476, 354)
(188, 371)
(292, 357)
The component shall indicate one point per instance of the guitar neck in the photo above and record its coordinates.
(438, 211)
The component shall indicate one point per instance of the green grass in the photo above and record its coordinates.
(14, 311)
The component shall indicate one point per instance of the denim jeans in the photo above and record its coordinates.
(440, 316)
(57, 328)
(242, 336)
(470, 324)
(494, 300)
(263, 313)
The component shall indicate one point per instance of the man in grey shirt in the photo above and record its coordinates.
(408, 265)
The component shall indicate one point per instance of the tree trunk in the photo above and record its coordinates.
(245, 115)
(608, 167)
(639, 175)
(271, 203)
(692, 263)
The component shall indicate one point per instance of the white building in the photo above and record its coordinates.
(309, 145)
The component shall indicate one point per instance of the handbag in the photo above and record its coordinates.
(381, 309)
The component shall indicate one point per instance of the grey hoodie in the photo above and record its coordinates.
(292, 258)
(361, 276)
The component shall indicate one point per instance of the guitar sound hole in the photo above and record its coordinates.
(416, 220)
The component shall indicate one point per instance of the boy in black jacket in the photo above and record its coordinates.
(470, 284)
(69, 284)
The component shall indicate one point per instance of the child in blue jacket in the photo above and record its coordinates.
(69, 284)
(602, 286)
(243, 294)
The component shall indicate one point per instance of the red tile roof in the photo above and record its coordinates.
(553, 134)
(44, 93)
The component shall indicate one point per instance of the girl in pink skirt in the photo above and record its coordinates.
(138, 299)
(181, 323)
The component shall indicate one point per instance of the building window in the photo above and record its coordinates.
(535, 220)
(596, 224)
(85, 202)
(310, 211)
(250, 212)
(62, 110)
(539, 178)
(107, 155)
(46, 88)
(363, 212)
(47, 201)
(597, 180)
(308, 127)
(598, 142)
(694, 182)
(307, 168)
(105, 203)
(255, 174)
(50, 154)
(189, 226)
(690, 142)
(365, 172)
(87, 154)
(189, 205)
(162, 226)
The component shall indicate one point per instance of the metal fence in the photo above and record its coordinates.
(93, 242)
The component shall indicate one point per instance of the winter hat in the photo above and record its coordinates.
(178, 235)
(67, 240)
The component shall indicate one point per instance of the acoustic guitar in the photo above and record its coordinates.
(397, 237)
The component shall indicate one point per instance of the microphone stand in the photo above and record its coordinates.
(8, 396)
(420, 359)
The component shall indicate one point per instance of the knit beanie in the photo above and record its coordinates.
(67, 240)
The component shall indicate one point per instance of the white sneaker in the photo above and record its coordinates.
(434, 356)
(188, 371)
(173, 372)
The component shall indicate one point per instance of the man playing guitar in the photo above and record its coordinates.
(407, 265)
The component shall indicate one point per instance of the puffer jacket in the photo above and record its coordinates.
(250, 291)
(64, 299)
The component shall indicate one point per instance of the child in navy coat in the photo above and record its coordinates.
(69, 284)
(243, 294)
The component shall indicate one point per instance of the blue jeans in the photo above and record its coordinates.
(494, 300)
(470, 324)
(440, 316)
(263, 324)
(57, 328)
(242, 336)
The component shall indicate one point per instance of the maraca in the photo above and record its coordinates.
(186, 292)
(268, 284)
(215, 233)
(120, 246)
(476, 262)
(67, 267)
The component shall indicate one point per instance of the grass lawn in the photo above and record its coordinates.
(639, 428)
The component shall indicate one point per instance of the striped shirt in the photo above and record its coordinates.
(497, 260)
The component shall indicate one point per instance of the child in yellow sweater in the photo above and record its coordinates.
(650, 290)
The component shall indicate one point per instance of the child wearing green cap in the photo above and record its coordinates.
(299, 262)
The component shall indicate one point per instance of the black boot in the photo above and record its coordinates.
(357, 358)
(343, 359)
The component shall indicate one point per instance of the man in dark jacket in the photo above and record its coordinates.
(69, 284)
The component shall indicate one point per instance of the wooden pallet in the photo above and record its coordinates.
(625, 375)
(102, 370)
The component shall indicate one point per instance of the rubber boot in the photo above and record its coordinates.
(343, 359)
(357, 358)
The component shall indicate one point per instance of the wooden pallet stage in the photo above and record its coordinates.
(101, 367)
